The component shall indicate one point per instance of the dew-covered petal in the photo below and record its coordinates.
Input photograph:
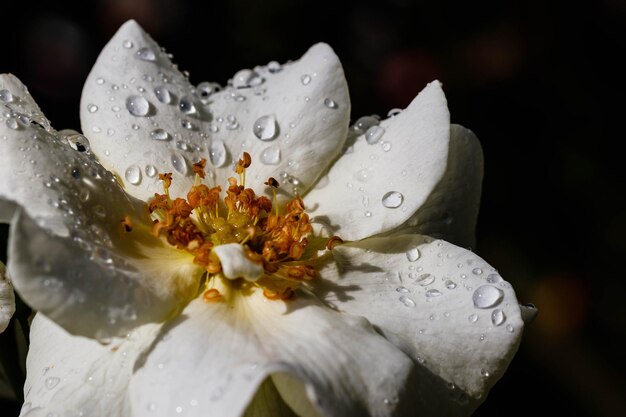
(439, 303)
(235, 263)
(139, 110)
(451, 210)
(338, 363)
(7, 299)
(99, 289)
(386, 176)
(72, 376)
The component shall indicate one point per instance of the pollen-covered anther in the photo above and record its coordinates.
(198, 168)
(333, 241)
(211, 295)
(271, 181)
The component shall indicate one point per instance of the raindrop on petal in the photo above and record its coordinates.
(6, 96)
(128, 44)
(217, 153)
(137, 106)
(472, 318)
(373, 134)
(413, 254)
(330, 103)
(163, 95)
(186, 105)
(179, 163)
(52, 382)
(425, 280)
(271, 155)
(363, 124)
(151, 170)
(392, 199)
(477, 271)
(407, 301)
(433, 293)
(92, 108)
(497, 317)
(146, 54)
(487, 296)
(159, 134)
(450, 284)
(305, 79)
(133, 174)
(265, 128)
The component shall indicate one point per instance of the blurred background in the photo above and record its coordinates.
(538, 81)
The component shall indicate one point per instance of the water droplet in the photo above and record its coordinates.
(186, 105)
(487, 296)
(494, 278)
(477, 271)
(271, 155)
(330, 103)
(394, 112)
(402, 289)
(12, 123)
(146, 54)
(485, 373)
(205, 89)
(52, 382)
(99, 81)
(6, 96)
(179, 163)
(137, 106)
(407, 301)
(413, 254)
(133, 174)
(392, 199)
(274, 67)
(433, 293)
(373, 134)
(364, 123)
(187, 124)
(368, 214)
(425, 279)
(386, 146)
(150, 170)
(159, 134)
(179, 409)
(244, 78)
(265, 128)
(510, 328)
(163, 95)
(473, 318)
(450, 284)
(127, 44)
(217, 153)
(305, 79)
(497, 317)
(92, 108)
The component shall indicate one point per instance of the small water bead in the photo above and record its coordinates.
(413, 254)
(364, 123)
(150, 170)
(364, 175)
(206, 89)
(137, 106)
(373, 134)
(407, 301)
(187, 124)
(99, 81)
(510, 328)
(425, 280)
(487, 296)
(128, 44)
(186, 105)
(497, 317)
(494, 278)
(433, 293)
(274, 67)
(179, 163)
(146, 54)
(217, 153)
(163, 95)
(386, 146)
(265, 128)
(331, 104)
(160, 134)
(52, 382)
(450, 284)
(133, 174)
(92, 108)
(305, 79)
(392, 199)
(394, 112)
(6, 96)
(12, 123)
(472, 318)
(485, 373)
(244, 78)
(402, 289)
(271, 155)
(477, 271)
(182, 145)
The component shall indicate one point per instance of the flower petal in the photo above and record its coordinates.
(235, 264)
(441, 304)
(232, 346)
(451, 210)
(7, 299)
(376, 187)
(98, 290)
(142, 115)
(70, 375)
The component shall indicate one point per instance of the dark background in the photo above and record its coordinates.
(539, 82)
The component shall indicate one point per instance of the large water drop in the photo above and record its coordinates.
(487, 296)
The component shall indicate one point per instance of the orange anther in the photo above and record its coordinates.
(167, 179)
(198, 168)
(211, 296)
(333, 241)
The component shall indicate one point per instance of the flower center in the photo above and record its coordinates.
(241, 239)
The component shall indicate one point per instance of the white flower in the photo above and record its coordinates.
(390, 322)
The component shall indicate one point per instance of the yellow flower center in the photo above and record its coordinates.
(274, 243)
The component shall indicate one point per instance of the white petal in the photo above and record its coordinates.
(235, 264)
(308, 134)
(7, 299)
(98, 290)
(71, 375)
(376, 187)
(214, 357)
(451, 210)
(441, 304)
